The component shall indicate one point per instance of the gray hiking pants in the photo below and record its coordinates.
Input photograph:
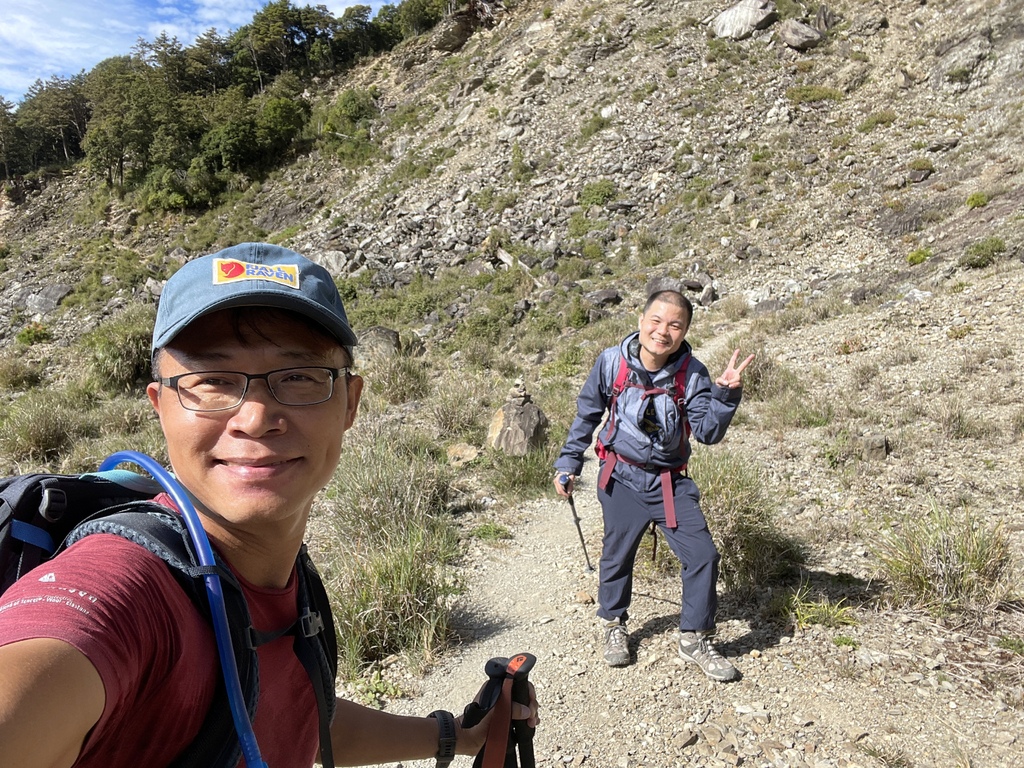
(627, 516)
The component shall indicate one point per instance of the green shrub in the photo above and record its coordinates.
(142, 433)
(577, 315)
(579, 224)
(568, 363)
(806, 611)
(522, 171)
(597, 192)
(491, 532)
(33, 333)
(124, 416)
(977, 200)
(118, 351)
(921, 164)
(1012, 644)
(804, 94)
(790, 9)
(982, 253)
(574, 268)
(875, 119)
(791, 407)
(109, 270)
(946, 562)
(698, 192)
(385, 543)
(398, 379)
(415, 17)
(521, 477)
(741, 517)
(959, 75)
(594, 125)
(919, 256)
(413, 167)
(764, 378)
(458, 405)
(489, 323)
(725, 51)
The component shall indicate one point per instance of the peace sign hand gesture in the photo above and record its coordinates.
(730, 378)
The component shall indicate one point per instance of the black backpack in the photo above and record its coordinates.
(40, 514)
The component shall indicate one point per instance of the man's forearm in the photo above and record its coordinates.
(361, 736)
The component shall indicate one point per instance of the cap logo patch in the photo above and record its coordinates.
(233, 271)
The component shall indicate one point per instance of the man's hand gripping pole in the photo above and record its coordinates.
(507, 682)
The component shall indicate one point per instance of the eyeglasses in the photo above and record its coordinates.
(221, 390)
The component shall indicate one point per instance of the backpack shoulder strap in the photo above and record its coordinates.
(316, 647)
(620, 378)
(608, 431)
(679, 396)
(163, 533)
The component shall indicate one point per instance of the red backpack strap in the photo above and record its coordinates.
(680, 381)
(620, 378)
(680, 394)
(617, 386)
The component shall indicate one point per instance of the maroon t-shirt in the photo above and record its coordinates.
(120, 606)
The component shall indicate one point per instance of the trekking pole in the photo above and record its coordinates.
(507, 681)
(563, 480)
(522, 732)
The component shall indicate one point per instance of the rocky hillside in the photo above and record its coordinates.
(763, 170)
(854, 208)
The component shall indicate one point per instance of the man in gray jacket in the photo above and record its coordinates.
(656, 394)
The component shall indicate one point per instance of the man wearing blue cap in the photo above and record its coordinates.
(104, 662)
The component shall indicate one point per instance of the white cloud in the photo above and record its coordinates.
(41, 38)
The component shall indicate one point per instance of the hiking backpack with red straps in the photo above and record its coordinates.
(609, 458)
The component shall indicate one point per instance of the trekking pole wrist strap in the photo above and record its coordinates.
(446, 737)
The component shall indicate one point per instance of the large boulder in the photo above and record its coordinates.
(744, 18)
(798, 35)
(376, 343)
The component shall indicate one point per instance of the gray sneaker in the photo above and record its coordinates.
(695, 647)
(616, 644)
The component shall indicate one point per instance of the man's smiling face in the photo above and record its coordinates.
(662, 327)
(255, 467)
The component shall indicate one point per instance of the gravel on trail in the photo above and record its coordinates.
(904, 692)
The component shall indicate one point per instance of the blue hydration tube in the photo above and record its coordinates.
(236, 699)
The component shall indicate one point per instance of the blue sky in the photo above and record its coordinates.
(40, 38)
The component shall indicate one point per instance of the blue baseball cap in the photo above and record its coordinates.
(250, 275)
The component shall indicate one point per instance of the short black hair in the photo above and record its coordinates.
(671, 297)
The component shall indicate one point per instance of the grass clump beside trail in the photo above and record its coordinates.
(72, 428)
(385, 541)
(798, 605)
(947, 562)
(741, 517)
(17, 373)
(982, 253)
(43, 424)
(117, 352)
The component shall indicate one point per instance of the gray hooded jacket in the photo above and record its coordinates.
(655, 443)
